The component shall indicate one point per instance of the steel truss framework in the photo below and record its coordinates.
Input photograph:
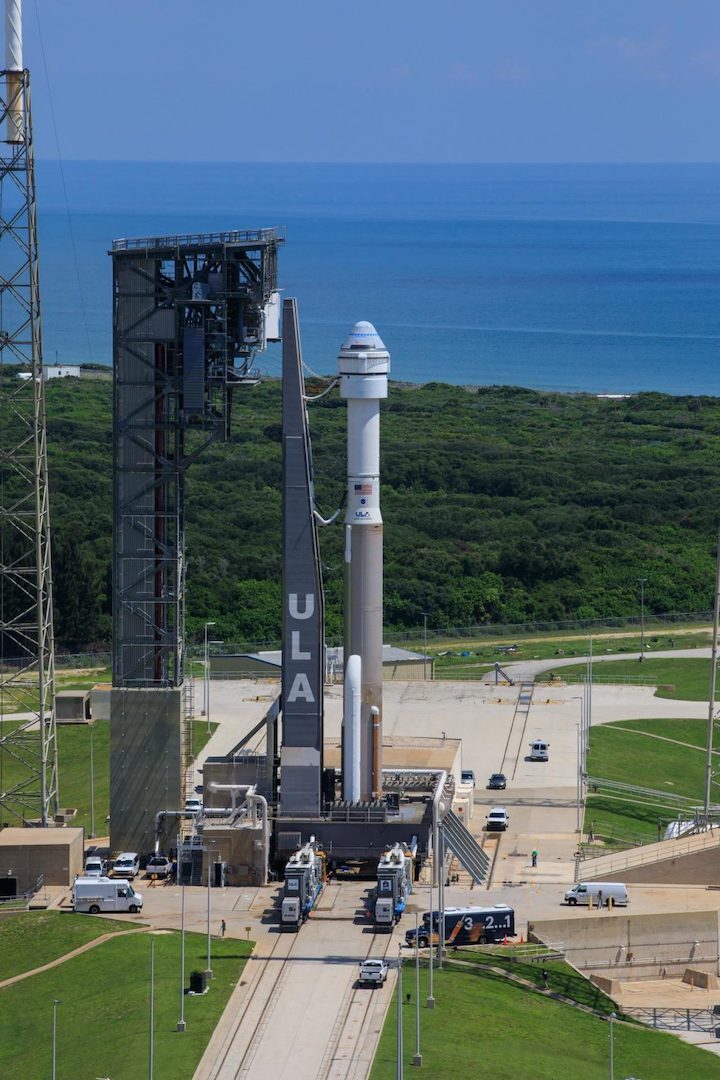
(28, 748)
(189, 314)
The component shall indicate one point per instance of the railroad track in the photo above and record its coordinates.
(340, 1061)
(259, 1008)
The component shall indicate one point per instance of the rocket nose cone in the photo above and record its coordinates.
(363, 336)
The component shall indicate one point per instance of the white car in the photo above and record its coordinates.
(193, 805)
(497, 820)
(373, 972)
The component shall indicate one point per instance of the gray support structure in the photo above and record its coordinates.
(28, 746)
(303, 602)
(190, 312)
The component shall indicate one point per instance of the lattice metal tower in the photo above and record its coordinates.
(28, 747)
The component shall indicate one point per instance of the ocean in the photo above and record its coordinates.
(604, 279)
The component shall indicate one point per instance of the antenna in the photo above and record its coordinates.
(28, 741)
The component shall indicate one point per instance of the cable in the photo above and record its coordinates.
(324, 393)
(64, 187)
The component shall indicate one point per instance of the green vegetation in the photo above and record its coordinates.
(482, 1017)
(472, 658)
(74, 768)
(685, 679)
(102, 1023)
(621, 752)
(501, 505)
(33, 938)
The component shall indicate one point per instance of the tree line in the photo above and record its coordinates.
(500, 504)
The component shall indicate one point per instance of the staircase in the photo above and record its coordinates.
(465, 848)
(186, 747)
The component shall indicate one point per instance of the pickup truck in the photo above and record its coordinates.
(373, 972)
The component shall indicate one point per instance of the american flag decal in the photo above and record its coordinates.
(363, 489)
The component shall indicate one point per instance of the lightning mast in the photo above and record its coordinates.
(28, 742)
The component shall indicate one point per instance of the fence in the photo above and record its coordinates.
(679, 1019)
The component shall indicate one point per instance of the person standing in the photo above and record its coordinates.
(600, 898)
(534, 857)
(222, 929)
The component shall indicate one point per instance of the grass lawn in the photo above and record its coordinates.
(483, 1025)
(33, 938)
(483, 655)
(618, 752)
(74, 768)
(102, 1023)
(685, 679)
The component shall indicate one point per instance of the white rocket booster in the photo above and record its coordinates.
(363, 366)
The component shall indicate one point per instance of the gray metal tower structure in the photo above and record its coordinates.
(28, 748)
(190, 312)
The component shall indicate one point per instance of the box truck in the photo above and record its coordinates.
(466, 926)
(92, 894)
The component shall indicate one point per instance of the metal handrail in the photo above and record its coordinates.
(235, 236)
(666, 849)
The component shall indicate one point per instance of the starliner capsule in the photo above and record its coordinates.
(363, 366)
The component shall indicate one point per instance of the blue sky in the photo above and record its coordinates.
(378, 80)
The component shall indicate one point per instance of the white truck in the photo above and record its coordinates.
(373, 972)
(95, 894)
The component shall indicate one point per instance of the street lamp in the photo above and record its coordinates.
(206, 682)
(425, 656)
(417, 1059)
(208, 970)
(642, 581)
(92, 784)
(430, 1001)
(612, 1047)
(54, 1038)
(181, 1021)
(399, 1046)
(151, 1055)
(579, 782)
(207, 669)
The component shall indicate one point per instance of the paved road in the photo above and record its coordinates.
(310, 996)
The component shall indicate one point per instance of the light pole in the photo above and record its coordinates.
(441, 902)
(399, 1047)
(430, 1001)
(151, 1059)
(417, 1059)
(208, 970)
(612, 1047)
(207, 668)
(425, 619)
(206, 682)
(642, 581)
(579, 782)
(181, 1021)
(54, 1038)
(92, 784)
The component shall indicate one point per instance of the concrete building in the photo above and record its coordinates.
(398, 665)
(56, 855)
(72, 706)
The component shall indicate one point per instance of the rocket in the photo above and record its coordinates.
(363, 366)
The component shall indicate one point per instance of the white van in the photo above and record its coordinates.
(539, 750)
(599, 892)
(127, 865)
(104, 894)
(95, 867)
